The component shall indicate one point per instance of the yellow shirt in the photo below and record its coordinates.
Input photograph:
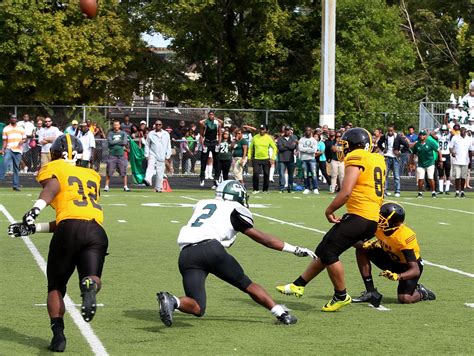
(367, 195)
(403, 238)
(79, 191)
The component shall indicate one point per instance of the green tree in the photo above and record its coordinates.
(57, 56)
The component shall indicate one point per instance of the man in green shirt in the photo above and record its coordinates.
(259, 153)
(117, 141)
(425, 150)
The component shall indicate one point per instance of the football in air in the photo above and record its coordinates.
(88, 8)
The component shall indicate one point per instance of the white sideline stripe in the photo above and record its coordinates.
(380, 307)
(76, 305)
(84, 328)
(470, 305)
(122, 221)
(323, 232)
(438, 208)
(449, 268)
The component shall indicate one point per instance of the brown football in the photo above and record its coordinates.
(88, 7)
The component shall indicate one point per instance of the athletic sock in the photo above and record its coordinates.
(440, 185)
(369, 283)
(278, 310)
(300, 282)
(340, 294)
(272, 173)
(57, 325)
(178, 303)
(448, 184)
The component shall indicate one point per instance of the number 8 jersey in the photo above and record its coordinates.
(216, 219)
(367, 195)
(79, 191)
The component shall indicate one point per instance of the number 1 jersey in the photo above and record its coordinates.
(78, 196)
(215, 219)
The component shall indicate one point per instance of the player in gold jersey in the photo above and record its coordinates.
(362, 193)
(397, 254)
(78, 240)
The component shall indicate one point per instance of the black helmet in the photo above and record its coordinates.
(66, 147)
(356, 137)
(391, 216)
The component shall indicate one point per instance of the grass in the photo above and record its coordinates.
(143, 260)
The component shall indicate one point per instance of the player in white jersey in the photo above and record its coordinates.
(451, 112)
(444, 171)
(213, 228)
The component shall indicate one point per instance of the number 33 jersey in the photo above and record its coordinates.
(215, 219)
(78, 196)
(367, 195)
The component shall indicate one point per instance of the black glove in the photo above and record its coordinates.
(30, 217)
(20, 229)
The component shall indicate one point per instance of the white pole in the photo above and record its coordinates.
(328, 64)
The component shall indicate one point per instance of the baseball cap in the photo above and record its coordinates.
(287, 127)
(423, 132)
(263, 126)
(143, 122)
(444, 128)
(74, 122)
(456, 126)
(12, 116)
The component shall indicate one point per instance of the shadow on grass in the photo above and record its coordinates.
(152, 315)
(292, 303)
(9, 334)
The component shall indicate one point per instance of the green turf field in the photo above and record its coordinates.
(143, 260)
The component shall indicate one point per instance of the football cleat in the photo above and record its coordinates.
(287, 319)
(58, 343)
(335, 304)
(106, 188)
(420, 195)
(373, 297)
(462, 195)
(433, 195)
(425, 293)
(291, 289)
(88, 292)
(167, 307)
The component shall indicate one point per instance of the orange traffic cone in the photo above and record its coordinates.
(166, 186)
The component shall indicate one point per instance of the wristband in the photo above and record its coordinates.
(42, 227)
(288, 248)
(40, 204)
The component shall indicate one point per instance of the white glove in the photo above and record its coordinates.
(303, 252)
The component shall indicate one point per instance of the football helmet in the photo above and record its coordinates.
(232, 190)
(391, 216)
(66, 147)
(352, 139)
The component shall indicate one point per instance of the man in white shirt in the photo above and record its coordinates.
(46, 137)
(88, 145)
(212, 228)
(157, 152)
(461, 150)
(29, 127)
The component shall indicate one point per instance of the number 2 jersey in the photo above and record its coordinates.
(367, 195)
(216, 219)
(78, 196)
(403, 239)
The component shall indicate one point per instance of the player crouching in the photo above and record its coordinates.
(78, 240)
(203, 241)
(397, 254)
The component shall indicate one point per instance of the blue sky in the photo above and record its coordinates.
(156, 40)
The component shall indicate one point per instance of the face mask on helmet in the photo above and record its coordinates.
(352, 139)
(391, 216)
(232, 190)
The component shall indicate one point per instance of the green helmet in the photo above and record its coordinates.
(232, 190)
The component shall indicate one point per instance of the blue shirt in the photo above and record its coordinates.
(322, 148)
(412, 137)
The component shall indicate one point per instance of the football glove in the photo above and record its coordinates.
(303, 252)
(30, 217)
(20, 229)
(390, 275)
(372, 244)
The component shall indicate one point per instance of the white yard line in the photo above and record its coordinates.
(323, 232)
(122, 221)
(76, 305)
(85, 329)
(439, 208)
(470, 305)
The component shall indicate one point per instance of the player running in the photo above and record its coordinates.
(78, 240)
(362, 192)
(444, 169)
(203, 241)
(397, 254)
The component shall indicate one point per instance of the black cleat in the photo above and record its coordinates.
(426, 294)
(88, 292)
(373, 297)
(167, 307)
(58, 343)
(287, 319)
